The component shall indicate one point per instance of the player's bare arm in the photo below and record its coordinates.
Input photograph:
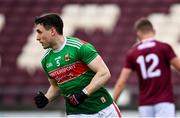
(121, 82)
(53, 91)
(101, 77)
(176, 63)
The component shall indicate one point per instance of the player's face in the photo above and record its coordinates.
(44, 36)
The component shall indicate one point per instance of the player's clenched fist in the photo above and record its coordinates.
(41, 100)
(77, 98)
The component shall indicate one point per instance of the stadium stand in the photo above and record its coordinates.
(108, 24)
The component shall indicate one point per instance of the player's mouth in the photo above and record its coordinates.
(41, 43)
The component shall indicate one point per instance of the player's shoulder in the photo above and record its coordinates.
(46, 54)
(133, 48)
(75, 42)
(162, 44)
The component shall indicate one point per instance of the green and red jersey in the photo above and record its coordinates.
(68, 66)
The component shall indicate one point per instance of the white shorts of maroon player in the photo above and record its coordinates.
(163, 109)
(111, 111)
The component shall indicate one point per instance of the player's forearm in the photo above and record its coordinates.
(52, 93)
(120, 84)
(117, 91)
(98, 81)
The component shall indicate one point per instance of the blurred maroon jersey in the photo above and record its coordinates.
(151, 60)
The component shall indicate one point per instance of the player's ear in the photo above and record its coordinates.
(53, 31)
(138, 33)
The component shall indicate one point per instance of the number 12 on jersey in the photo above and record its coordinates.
(152, 70)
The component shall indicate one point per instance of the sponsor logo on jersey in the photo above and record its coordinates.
(67, 57)
(66, 73)
(48, 65)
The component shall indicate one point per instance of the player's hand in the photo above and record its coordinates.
(41, 100)
(77, 98)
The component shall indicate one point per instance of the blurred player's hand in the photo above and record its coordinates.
(77, 98)
(41, 100)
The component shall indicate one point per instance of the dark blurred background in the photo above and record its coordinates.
(107, 24)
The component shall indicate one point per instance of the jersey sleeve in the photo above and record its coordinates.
(170, 54)
(87, 53)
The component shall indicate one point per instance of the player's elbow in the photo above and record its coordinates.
(104, 75)
(107, 75)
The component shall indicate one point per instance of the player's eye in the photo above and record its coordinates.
(38, 31)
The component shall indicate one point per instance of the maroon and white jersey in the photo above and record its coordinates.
(151, 60)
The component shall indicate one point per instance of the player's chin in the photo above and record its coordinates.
(45, 46)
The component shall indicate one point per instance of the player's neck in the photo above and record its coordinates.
(147, 36)
(58, 42)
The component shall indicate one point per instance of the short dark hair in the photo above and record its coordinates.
(50, 20)
(143, 25)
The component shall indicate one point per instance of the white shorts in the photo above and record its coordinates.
(111, 111)
(163, 109)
